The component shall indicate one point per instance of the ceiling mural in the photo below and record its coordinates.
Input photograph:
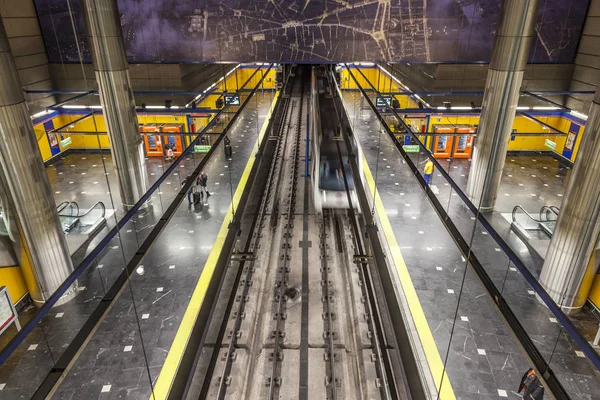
(176, 31)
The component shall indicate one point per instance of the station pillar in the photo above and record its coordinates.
(28, 192)
(504, 79)
(569, 268)
(116, 96)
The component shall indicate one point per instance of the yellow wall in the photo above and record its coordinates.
(380, 80)
(522, 125)
(42, 140)
(12, 278)
(594, 296)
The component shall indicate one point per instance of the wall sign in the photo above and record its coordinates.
(8, 313)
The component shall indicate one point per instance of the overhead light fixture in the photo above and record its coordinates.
(41, 113)
(546, 108)
(74, 106)
(441, 108)
(155, 107)
(96, 107)
(578, 114)
(460, 107)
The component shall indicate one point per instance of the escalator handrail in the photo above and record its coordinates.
(101, 204)
(545, 210)
(519, 207)
(65, 204)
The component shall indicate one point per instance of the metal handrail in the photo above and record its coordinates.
(514, 214)
(102, 206)
(71, 205)
(548, 209)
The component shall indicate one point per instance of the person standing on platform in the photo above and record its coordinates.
(190, 191)
(202, 181)
(531, 386)
(428, 171)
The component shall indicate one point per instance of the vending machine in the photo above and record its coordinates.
(172, 136)
(463, 146)
(442, 143)
(152, 140)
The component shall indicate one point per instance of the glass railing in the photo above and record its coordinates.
(478, 285)
(111, 269)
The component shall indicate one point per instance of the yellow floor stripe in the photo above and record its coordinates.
(167, 374)
(429, 347)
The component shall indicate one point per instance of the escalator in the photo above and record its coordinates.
(535, 230)
(85, 223)
(541, 227)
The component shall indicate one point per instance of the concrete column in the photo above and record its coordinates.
(505, 76)
(567, 274)
(29, 192)
(118, 104)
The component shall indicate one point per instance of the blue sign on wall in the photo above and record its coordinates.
(313, 31)
(571, 141)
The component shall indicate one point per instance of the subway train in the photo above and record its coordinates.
(331, 169)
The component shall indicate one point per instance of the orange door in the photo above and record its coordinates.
(174, 140)
(464, 144)
(443, 143)
(152, 141)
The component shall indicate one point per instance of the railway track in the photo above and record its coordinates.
(300, 321)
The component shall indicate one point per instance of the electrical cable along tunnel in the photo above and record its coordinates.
(303, 305)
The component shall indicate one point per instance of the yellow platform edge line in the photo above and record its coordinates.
(432, 354)
(171, 365)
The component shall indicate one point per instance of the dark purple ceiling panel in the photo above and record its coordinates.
(174, 31)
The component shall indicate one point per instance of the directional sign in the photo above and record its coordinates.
(411, 148)
(550, 144)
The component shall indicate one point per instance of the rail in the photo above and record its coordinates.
(102, 206)
(514, 214)
(536, 358)
(71, 205)
(70, 353)
(547, 210)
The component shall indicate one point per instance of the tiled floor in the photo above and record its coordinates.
(483, 360)
(114, 363)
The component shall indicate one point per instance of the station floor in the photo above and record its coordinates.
(126, 354)
(482, 359)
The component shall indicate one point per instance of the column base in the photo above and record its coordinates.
(65, 298)
(144, 206)
(573, 310)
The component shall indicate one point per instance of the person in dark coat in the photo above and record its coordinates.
(202, 181)
(531, 386)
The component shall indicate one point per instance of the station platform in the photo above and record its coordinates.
(126, 354)
(483, 360)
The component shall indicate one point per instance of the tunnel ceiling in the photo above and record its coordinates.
(180, 31)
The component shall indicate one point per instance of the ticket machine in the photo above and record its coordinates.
(172, 135)
(443, 144)
(463, 145)
(152, 140)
